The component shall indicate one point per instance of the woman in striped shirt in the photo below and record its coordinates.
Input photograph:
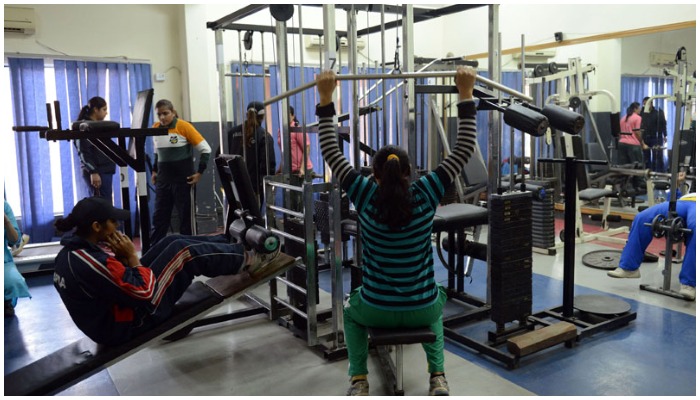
(396, 218)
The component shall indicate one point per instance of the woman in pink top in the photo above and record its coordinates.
(296, 145)
(629, 149)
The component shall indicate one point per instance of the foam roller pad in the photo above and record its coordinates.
(564, 119)
(526, 120)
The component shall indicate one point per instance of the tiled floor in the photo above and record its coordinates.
(654, 355)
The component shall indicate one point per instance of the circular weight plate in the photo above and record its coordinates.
(603, 259)
(597, 304)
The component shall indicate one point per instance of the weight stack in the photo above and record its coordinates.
(543, 220)
(510, 225)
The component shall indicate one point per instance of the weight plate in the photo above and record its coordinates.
(598, 304)
(603, 259)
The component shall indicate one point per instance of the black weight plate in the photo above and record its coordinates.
(603, 259)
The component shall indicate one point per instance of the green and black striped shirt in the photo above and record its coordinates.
(398, 264)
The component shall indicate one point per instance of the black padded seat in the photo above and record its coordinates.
(394, 336)
(591, 194)
(382, 338)
(348, 227)
(459, 215)
(661, 184)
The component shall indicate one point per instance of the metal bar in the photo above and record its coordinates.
(291, 285)
(402, 75)
(235, 16)
(384, 121)
(270, 29)
(424, 16)
(286, 211)
(287, 235)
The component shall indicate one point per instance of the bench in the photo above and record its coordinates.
(383, 338)
(84, 358)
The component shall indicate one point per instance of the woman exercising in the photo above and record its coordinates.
(396, 218)
(114, 297)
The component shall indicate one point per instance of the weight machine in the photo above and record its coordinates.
(672, 226)
(577, 96)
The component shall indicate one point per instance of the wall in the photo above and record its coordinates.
(466, 33)
(174, 38)
(139, 33)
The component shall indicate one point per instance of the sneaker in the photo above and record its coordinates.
(18, 249)
(261, 261)
(438, 386)
(623, 273)
(359, 388)
(688, 292)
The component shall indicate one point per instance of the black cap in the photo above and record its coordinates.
(257, 106)
(92, 209)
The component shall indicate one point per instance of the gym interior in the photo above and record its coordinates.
(523, 241)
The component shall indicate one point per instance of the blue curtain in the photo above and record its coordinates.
(76, 83)
(29, 108)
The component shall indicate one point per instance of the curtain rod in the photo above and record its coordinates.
(118, 60)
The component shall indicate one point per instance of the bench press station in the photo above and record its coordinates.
(83, 358)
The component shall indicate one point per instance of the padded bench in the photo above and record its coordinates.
(382, 338)
(84, 358)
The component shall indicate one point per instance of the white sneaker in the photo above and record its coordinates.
(18, 249)
(262, 261)
(688, 292)
(622, 273)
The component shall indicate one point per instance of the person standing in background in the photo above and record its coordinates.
(654, 135)
(15, 285)
(98, 169)
(630, 147)
(173, 170)
(258, 144)
(299, 168)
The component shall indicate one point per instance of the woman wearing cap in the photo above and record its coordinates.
(173, 170)
(112, 298)
(256, 145)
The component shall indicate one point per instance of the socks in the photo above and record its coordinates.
(358, 378)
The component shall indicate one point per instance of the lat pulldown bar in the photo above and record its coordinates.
(402, 75)
(524, 117)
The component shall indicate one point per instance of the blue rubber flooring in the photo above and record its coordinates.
(653, 355)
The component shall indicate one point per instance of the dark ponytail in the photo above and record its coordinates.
(96, 102)
(394, 202)
(68, 223)
(251, 124)
(630, 110)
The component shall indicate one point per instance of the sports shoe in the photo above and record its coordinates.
(359, 388)
(261, 261)
(623, 273)
(438, 386)
(18, 249)
(688, 292)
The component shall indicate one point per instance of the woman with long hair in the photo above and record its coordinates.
(98, 169)
(396, 218)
